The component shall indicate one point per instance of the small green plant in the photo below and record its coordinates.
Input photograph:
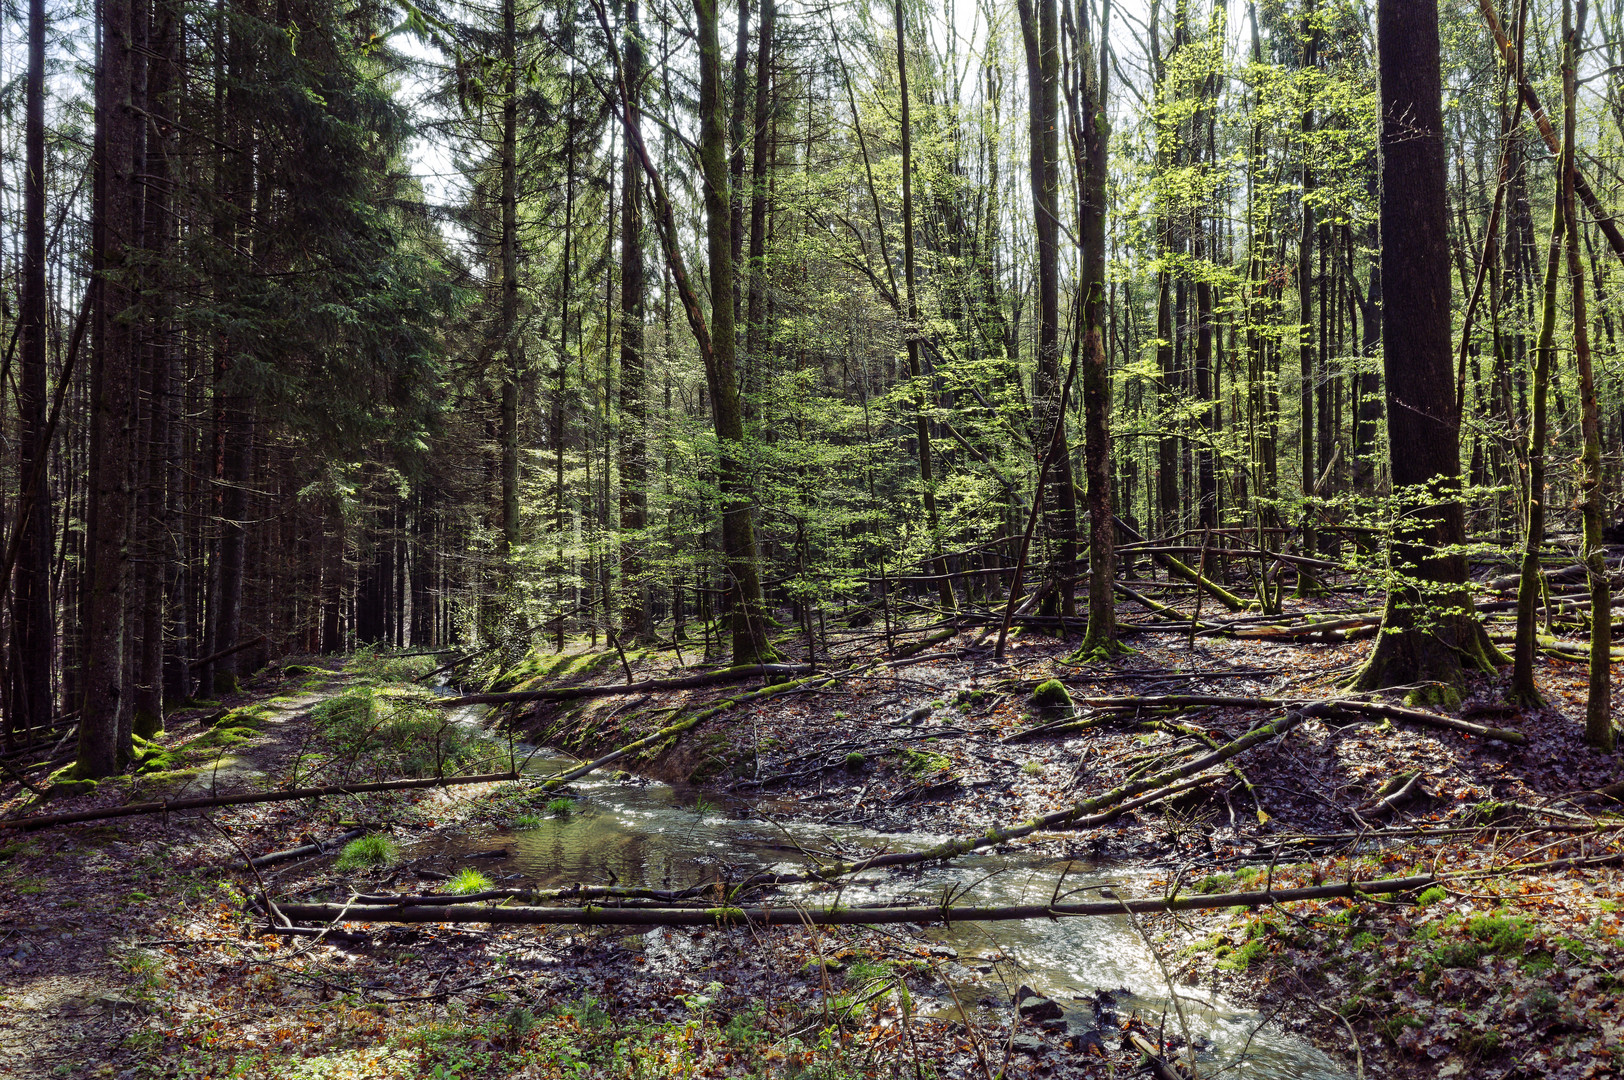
(1431, 896)
(855, 761)
(526, 821)
(867, 971)
(1033, 768)
(374, 850)
(561, 807)
(1240, 959)
(467, 881)
(920, 762)
(703, 806)
(519, 1022)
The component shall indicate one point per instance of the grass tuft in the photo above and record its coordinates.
(374, 850)
(467, 881)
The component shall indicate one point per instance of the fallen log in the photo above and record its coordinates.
(573, 693)
(920, 646)
(1298, 631)
(687, 723)
(840, 915)
(319, 847)
(1085, 809)
(1329, 706)
(1180, 570)
(168, 805)
(241, 646)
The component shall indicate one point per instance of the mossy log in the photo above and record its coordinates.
(572, 693)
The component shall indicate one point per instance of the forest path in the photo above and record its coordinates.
(74, 990)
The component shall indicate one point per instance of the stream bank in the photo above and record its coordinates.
(153, 909)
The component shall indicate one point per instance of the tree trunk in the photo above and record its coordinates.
(1523, 690)
(738, 531)
(922, 394)
(1598, 708)
(1101, 636)
(1429, 626)
(1041, 34)
(33, 623)
(633, 372)
(103, 747)
(509, 434)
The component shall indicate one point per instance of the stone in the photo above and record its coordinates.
(1027, 1044)
(1035, 1007)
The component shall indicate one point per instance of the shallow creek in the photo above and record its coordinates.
(652, 834)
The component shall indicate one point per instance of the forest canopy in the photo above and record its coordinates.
(489, 325)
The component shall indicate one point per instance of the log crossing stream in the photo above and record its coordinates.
(641, 832)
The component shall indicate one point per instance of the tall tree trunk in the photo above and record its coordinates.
(160, 515)
(1041, 33)
(738, 531)
(1429, 626)
(1100, 638)
(1305, 301)
(509, 434)
(33, 624)
(1598, 708)
(922, 394)
(1523, 690)
(633, 449)
(104, 743)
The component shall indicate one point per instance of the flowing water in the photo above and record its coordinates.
(660, 836)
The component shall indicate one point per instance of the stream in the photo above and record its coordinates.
(641, 832)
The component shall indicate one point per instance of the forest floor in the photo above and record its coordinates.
(131, 948)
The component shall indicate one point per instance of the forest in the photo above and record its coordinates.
(788, 484)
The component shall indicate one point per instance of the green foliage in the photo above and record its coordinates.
(468, 880)
(398, 734)
(377, 664)
(368, 851)
(562, 806)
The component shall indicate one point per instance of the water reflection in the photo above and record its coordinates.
(658, 836)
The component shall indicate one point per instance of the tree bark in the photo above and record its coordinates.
(33, 623)
(633, 448)
(1040, 31)
(720, 351)
(1101, 636)
(1429, 626)
(1523, 690)
(1598, 707)
(103, 746)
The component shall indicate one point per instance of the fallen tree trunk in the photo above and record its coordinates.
(1078, 812)
(319, 847)
(132, 809)
(687, 723)
(1331, 707)
(793, 915)
(1178, 569)
(573, 693)
(241, 646)
(905, 651)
